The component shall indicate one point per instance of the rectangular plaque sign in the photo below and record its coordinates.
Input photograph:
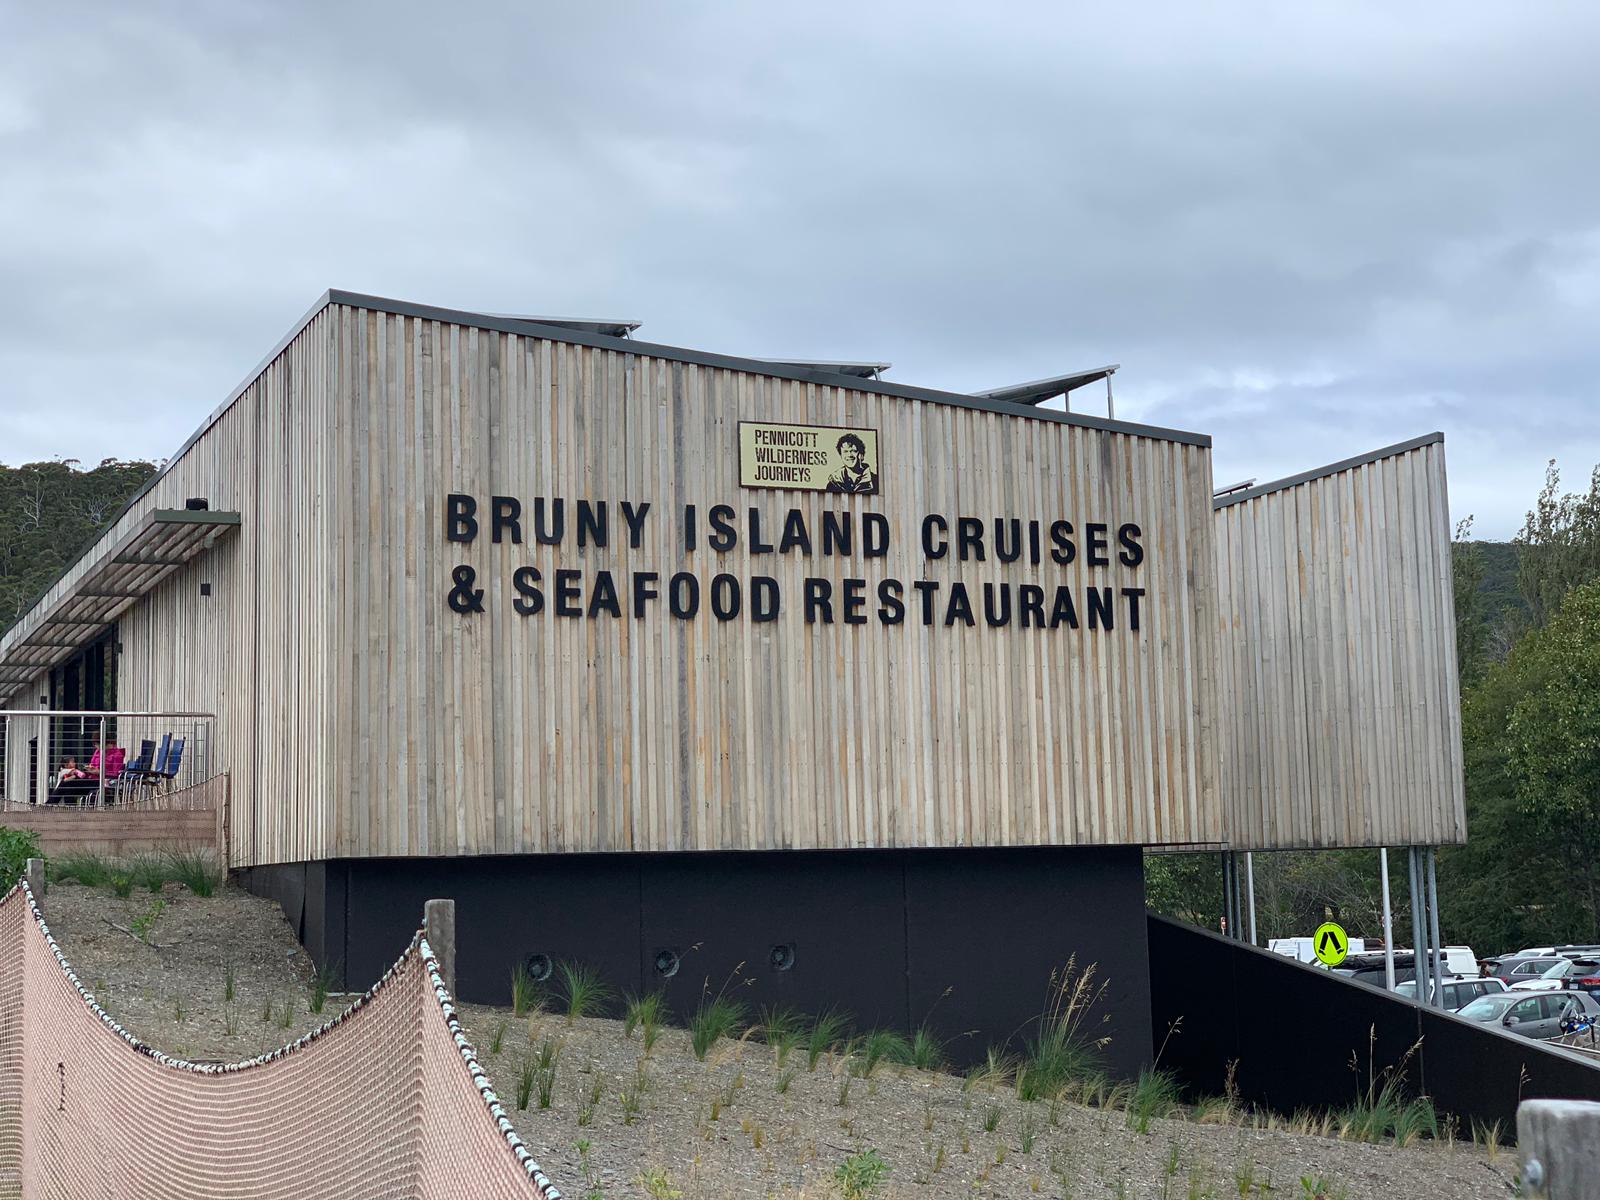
(817, 458)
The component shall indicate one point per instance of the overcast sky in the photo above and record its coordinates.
(1307, 229)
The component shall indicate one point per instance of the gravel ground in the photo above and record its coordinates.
(172, 990)
(736, 1126)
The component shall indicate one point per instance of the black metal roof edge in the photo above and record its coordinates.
(1348, 464)
(754, 366)
(194, 516)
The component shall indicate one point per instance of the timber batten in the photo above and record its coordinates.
(362, 715)
(1338, 669)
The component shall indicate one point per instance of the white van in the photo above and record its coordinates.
(1304, 949)
(1460, 960)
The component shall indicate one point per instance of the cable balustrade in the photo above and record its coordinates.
(90, 758)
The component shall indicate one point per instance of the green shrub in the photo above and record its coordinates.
(860, 1175)
(17, 846)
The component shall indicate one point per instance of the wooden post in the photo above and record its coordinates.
(34, 873)
(439, 927)
(1560, 1145)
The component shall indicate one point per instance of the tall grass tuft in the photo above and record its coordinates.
(780, 1029)
(321, 984)
(927, 1051)
(879, 1046)
(1381, 1108)
(88, 869)
(827, 1031)
(583, 991)
(1063, 1049)
(526, 994)
(1490, 1137)
(527, 1072)
(717, 1017)
(196, 869)
(1154, 1095)
(545, 1070)
(646, 1013)
(996, 1070)
(230, 983)
(149, 871)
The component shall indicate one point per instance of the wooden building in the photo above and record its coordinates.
(654, 657)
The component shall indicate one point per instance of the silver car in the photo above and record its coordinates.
(1537, 1016)
(1458, 993)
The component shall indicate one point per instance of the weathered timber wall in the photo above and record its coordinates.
(1340, 713)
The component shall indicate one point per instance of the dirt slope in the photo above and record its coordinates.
(738, 1125)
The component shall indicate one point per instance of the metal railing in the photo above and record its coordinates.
(94, 758)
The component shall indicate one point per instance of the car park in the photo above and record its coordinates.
(1587, 979)
(1519, 968)
(1369, 968)
(1458, 993)
(1584, 948)
(1539, 1015)
(1561, 975)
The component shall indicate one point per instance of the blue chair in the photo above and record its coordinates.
(168, 771)
(155, 768)
(136, 768)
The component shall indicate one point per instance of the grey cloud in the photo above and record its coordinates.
(1308, 229)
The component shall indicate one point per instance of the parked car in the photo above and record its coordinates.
(1574, 948)
(1537, 1016)
(1518, 968)
(1458, 993)
(1556, 977)
(1587, 979)
(1368, 968)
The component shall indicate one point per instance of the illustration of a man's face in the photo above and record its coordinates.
(851, 454)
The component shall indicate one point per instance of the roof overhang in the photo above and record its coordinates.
(857, 370)
(131, 568)
(606, 327)
(1041, 390)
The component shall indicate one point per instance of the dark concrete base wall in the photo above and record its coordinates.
(1292, 1029)
(964, 939)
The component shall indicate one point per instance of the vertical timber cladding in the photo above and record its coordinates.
(1339, 697)
(492, 723)
(255, 651)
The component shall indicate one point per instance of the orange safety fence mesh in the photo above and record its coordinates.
(386, 1100)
